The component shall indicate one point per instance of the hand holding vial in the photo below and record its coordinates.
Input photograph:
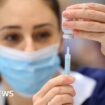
(87, 21)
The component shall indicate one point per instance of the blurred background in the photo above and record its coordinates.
(84, 52)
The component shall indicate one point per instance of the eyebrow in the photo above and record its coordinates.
(19, 27)
(10, 27)
(43, 25)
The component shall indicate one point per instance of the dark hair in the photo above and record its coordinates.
(54, 5)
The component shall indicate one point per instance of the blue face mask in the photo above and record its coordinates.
(27, 72)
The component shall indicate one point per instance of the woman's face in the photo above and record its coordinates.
(28, 25)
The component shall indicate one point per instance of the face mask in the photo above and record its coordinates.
(27, 72)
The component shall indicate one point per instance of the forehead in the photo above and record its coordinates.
(24, 11)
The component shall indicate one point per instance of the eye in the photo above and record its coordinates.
(13, 37)
(42, 36)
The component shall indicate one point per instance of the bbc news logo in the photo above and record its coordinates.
(7, 93)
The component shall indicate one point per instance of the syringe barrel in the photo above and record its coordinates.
(67, 63)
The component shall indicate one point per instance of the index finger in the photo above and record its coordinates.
(94, 6)
(58, 81)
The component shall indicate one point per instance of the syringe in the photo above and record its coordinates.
(67, 61)
(67, 37)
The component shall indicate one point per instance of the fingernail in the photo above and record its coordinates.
(69, 79)
(66, 14)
